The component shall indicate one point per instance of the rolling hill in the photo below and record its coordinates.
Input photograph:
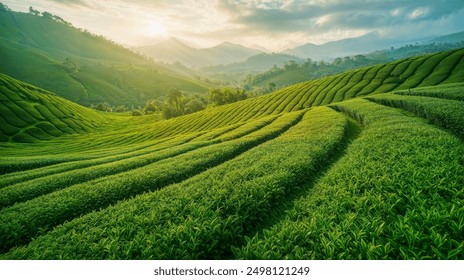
(325, 169)
(30, 114)
(49, 52)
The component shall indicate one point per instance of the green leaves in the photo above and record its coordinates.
(385, 199)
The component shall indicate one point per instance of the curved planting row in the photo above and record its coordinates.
(69, 162)
(28, 114)
(23, 221)
(444, 113)
(396, 194)
(402, 74)
(207, 214)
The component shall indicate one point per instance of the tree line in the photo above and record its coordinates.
(177, 103)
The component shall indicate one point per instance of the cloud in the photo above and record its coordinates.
(269, 21)
(320, 16)
(71, 2)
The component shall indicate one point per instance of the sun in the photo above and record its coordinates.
(154, 29)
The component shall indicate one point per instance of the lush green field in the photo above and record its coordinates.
(335, 168)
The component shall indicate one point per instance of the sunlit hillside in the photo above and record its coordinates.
(49, 52)
(366, 164)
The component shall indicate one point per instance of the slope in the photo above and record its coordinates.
(85, 68)
(261, 178)
(29, 114)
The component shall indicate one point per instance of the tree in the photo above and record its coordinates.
(136, 113)
(271, 86)
(4, 8)
(226, 95)
(120, 108)
(33, 12)
(47, 15)
(153, 106)
(194, 105)
(173, 99)
(70, 64)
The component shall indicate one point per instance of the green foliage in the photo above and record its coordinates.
(82, 198)
(222, 96)
(88, 69)
(395, 195)
(207, 215)
(258, 178)
(30, 114)
(177, 104)
(296, 72)
(443, 113)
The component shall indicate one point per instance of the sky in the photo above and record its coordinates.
(272, 24)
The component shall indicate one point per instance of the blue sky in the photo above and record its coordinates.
(272, 24)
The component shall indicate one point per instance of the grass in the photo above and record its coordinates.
(325, 169)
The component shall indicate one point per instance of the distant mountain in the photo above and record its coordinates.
(49, 52)
(346, 47)
(257, 63)
(450, 38)
(173, 50)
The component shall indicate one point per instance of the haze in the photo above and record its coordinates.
(274, 25)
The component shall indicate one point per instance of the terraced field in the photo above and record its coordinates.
(328, 169)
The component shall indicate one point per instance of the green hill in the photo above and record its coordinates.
(48, 52)
(310, 70)
(29, 114)
(325, 169)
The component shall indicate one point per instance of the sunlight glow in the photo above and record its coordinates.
(154, 29)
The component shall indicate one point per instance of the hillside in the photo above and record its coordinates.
(49, 52)
(346, 47)
(309, 70)
(281, 176)
(254, 64)
(30, 114)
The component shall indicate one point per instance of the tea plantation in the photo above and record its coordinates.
(367, 164)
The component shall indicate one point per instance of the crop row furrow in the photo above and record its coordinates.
(311, 96)
(450, 92)
(379, 201)
(422, 67)
(63, 175)
(328, 89)
(41, 214)
(70, 161)
(286, 99)
(304, 97)
(335, 92)
(444, 113)
(293, 105)
(443, 70)
(373, 79)
(206, 215)
(457, 73)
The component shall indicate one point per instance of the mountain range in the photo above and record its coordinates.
(173, 50)
(234, 56)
